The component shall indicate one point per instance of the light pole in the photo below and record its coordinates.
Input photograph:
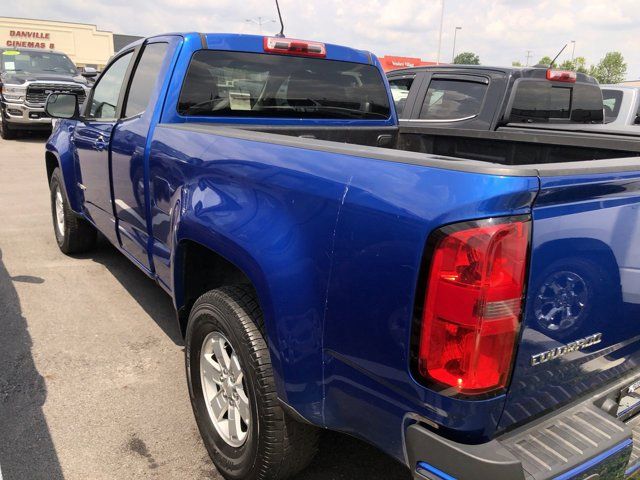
(573, 52)
(455, 34)
(440, 36)
(259, 21)
(529, 55)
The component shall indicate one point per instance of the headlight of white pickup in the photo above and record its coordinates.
(13, 92)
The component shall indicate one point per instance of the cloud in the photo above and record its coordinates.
(500, 31)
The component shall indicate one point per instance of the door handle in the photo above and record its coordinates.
(100, 144)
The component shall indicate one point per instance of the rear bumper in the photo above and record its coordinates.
(582, 441)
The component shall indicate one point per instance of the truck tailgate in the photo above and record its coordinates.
(581, 328)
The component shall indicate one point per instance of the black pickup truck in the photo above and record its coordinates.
(504, 115)
(27, 77)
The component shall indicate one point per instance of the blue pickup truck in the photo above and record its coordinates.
(473, 316)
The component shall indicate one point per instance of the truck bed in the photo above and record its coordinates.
(508, 151)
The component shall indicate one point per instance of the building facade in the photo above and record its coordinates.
(390, 62)
(83, 43)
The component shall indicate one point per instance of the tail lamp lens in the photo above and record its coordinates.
(473, 303)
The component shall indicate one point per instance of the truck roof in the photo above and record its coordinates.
(38, 50)
(255, 43)
(515, 72)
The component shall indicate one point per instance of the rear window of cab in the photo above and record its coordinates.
(240, 84)
(544, 101)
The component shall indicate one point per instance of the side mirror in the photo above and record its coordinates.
(62, 105)
(89, 72)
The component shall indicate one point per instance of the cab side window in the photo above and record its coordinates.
(144, 79)
(104, 101)
(449, 100)
(400, 91)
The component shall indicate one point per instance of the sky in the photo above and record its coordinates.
(499, 31)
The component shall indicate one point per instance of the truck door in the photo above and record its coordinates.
(92, 137)
(128, 151)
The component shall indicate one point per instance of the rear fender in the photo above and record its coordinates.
(270, 242)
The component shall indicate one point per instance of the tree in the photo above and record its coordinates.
(516, 63)
(611, 69)
(467, 58)
(546, 61)
(567, 65)
(579, 64)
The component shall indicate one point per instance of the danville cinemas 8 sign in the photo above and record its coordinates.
(28, 39)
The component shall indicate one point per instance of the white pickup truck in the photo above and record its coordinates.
(621, 107)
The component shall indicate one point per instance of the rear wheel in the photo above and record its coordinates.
(232, 390)
(73, 233)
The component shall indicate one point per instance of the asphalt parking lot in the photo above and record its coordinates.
(91, 379)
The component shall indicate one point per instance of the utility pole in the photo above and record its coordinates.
(440, 36)
(259, 21)
(573, 52)
(455, 34)
(529, 55)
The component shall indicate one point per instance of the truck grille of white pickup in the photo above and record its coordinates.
(37, 93)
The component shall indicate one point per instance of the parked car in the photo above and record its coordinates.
(486, 98)
(621, 105)
(509, 114)
(27, 77)
(472, 312)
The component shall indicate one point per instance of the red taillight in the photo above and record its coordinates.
(472, 307)
(562, 76)
(288, 46)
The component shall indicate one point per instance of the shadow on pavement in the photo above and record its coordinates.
(35, 136)
(153, 300)
(340, 456)
(26, 446)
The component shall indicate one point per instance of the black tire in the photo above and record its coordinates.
(6, 132)
(77, 235)
(276, 446)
